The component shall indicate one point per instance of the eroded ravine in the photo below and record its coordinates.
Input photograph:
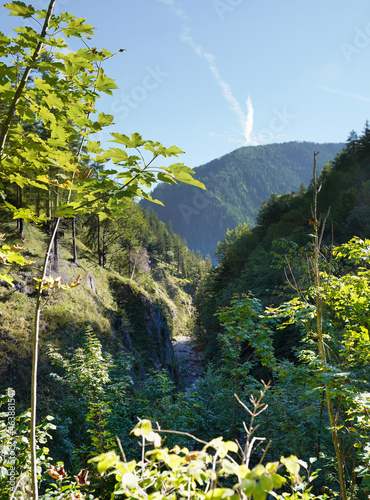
(190, 359)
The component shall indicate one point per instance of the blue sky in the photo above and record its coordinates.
(213, 75)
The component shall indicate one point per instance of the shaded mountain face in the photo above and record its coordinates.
(237, 185)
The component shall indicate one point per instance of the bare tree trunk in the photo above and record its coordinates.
(104, 251)
(129, 260)
(74, 247)
(320, 337)
(55, 266)
(99, 249)
(37, 204)
(20, 222)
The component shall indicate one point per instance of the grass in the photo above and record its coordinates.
(123, 313)
(67, 310)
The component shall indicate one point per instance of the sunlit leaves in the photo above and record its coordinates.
(105, 119)
(63, 99)
(77, 27)
(199, 477)
(94, 147)
(50, 284)
(356, 251)
(183, 174)
(144, 428)
(136, 141)
(26, 214)
(20, 9)
(117, 155)
(64, 211)
(105, 84)
(10, 254)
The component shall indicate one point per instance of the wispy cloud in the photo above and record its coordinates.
(249, 121)
(175, 10)
(357, 97)
(245, 119)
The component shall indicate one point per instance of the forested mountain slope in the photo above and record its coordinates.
(271, 259)
(237, 184)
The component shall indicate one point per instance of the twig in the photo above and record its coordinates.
(182, 434)
(265, 451)
(121, 449)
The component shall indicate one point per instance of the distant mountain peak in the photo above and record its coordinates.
(237, 185)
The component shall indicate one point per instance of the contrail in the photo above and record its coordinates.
(249, 121)
(245, 119)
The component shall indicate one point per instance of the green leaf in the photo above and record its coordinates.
(30, 182)
(183, 174)
(105, 120)
(135, 142)
(77, 27)
(259, 470)
(63, 211)
(93, 147)
(221, 493)
(163, 177)
(107, 172)
(174, 461)
(116, 154)
(20, 9)
(102, 216)
(53, 101)
(147, 196)
(229, 467)
(105, 84)
(174, 151)
(248, 486)
(8, 279)
(266, 482)
(259, 493)
(278, 481)
(292, 465)
(231, 446)
(105, 461)
(143, 428)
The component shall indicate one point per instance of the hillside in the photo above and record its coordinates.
(237, 184)
(121, 322)
(269, 258)
(135, 302)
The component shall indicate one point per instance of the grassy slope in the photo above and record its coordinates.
(123, 314)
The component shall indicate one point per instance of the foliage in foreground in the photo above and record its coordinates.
(332, 359)
(218, 469)
(213, 472)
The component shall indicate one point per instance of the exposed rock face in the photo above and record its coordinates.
(144, 327)
(190, 358)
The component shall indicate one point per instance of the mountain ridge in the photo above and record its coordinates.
(237, 184)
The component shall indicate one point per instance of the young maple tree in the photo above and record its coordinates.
(44, 83)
